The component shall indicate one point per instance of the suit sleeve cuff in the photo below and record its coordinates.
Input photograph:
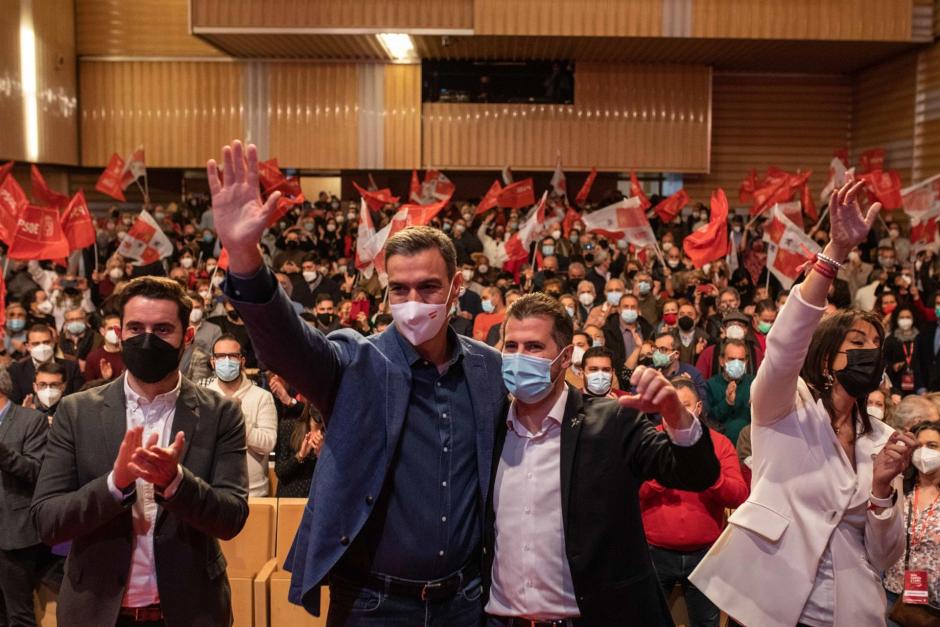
(685, 437)
(257, 288)
(170, 490)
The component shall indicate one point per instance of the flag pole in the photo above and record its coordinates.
(96, 254)
(143, 192)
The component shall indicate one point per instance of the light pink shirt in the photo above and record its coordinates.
(531, 576)
(156, 417)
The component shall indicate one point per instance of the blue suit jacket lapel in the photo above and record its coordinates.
(397, 389)
(484, 415)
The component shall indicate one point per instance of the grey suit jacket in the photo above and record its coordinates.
(22, 441)
(72, 502)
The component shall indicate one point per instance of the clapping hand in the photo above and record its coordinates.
(155, 464)
(656, 395)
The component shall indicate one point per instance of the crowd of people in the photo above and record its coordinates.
(625, 324)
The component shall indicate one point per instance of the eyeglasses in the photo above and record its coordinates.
(46, 386)
(235, 356)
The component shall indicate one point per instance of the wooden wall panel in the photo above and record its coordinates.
(794, 122)
(392, 14)
(637, 18)
(137, 28)
(313, 112)
(927, 121)
(648, 118)
(183, 112)
(860, 20)
(402, 120)
(12, 144)
(883, 112)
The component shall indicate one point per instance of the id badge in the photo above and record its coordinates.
(907, 381)
(915, 587)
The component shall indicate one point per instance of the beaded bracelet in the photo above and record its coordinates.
(825, 269)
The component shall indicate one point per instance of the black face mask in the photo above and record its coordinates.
(149, 358)
(863, 371)
(326, 319)
(686, 323)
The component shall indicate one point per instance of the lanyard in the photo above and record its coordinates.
(912, 524)
(908, 354)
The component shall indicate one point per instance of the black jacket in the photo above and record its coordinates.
(23, 374)
(926, 360)
(613, 340)
(22, 442)
(606, 455)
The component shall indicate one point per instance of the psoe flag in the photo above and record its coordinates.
(145, 241)
(622, 220)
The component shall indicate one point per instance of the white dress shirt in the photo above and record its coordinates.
(156, 417)
(531, 576)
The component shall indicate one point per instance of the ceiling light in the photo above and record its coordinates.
(398, 46)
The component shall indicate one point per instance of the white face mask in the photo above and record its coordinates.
(45, 307)
(484, 268)
(878, 413)
(905, 324)
(597, 383)
(41, 353)
(419, 322)
(577, 355)
(586, 299)
(467, 274)
(926, 460)
(186, 262)
(49, 396)
(310, 275)
(116, 274)
(195, 316)
(735, 332)
(111, 337)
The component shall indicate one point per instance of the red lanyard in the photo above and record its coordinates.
(908, 355)
(916, 514)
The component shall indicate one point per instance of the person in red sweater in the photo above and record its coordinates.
(681, 526)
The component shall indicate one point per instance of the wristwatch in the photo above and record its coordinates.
(129, 494)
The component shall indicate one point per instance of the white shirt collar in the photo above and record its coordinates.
(556, 414)
(133, 398)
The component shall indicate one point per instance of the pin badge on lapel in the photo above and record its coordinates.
(577, 419)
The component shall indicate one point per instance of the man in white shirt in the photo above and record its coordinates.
(565, 542)
(228, 363)
(143, 475)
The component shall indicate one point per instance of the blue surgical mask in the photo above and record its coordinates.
(16, 324)
(227, 369)
(734, 368)
(613, 298)
(488, 306)
(661, 360)
(596, 342)
(548, 251)
(527, 377)
(574, 237)
(207, 237)
(76, 327)
(597, 383)
(629, 316)
(645, 287)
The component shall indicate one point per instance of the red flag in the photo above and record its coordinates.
(145, 241)
(559, 184)
(39, 235)
(378, 198)
(135, 167)
(43, 194)
(270, 175)
(436, 187)
(787, 246)
(284, 204)
(5, 170)
(871, 160)
(517, 195)
(770, 195)
(414, 190)
(110, 182)
(842, 154)
(517, 247)
(585, 190)
(748, 187)
(222, 263)
(710, 242)
(489, 201)
(922, 205)
(12, 203)
(669, 208)
(76, 223)
(625, 219)
(637, 190)
(571, 218)
(806, 199)
(885, 186)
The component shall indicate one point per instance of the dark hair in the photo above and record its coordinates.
(730, 290)
(586, 335)
(157, 288)
(415, 239)
(542, 305)
(385, 319)
(897, 312)
(727, 343)
(598, 351)
(684, 382)
(228, 337)
(764, 305)
(322, 296)
(51, 367)
(910, 480)
(823, 348)
(302, 425)
(668, 334)
(39, 327)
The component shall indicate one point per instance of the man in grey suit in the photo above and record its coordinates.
(396, 509)
(143, 475)
(22, 440)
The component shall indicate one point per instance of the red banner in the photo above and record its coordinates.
(12, 203)
(585, 190)
(376, 199)
(76, 223)
(39, 235)
(110, 182)
(5, 170)
(669, 208)
(637, 190)
(491, 199)
(517, 195)
(871, 161)
(43, 194)
(710, 242)
(885, 186)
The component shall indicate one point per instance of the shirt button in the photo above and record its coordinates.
(445, 449)
(444, 415)
(344, 540)
(369, 500)
(441, 553)
(444, 483)
(443, 518)
(438, 384)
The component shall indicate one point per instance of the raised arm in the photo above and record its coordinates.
(773, 393)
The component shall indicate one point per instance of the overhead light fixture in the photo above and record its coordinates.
(398, 46)
(28, 81)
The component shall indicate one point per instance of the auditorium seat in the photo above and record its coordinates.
(271, 585)
(247, 553)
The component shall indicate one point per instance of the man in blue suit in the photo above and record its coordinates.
(395, 517)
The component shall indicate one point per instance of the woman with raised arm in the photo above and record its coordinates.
(823, 520)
